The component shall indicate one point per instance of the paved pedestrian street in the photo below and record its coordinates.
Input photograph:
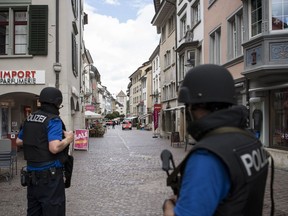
(120, 175)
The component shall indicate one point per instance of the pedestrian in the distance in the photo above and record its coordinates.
(225, 173)
(45, 146)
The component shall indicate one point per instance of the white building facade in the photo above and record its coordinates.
(122, 99)
(39, 47)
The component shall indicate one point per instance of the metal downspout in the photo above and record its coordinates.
(247, 87)
(57, 65)
(80, 57)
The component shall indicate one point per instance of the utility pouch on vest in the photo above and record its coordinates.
(25, 179)
(68, 169)
(67, 162)
(53, 173)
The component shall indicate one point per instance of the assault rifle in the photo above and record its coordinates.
(173, 179)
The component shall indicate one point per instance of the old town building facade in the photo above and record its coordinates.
(39, 47)
(249, 38)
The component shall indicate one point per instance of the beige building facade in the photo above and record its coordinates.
(165, 22)
(138, 90)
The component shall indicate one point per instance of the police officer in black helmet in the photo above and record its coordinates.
(45, 144)
(225, 173)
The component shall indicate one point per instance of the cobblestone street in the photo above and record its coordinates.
(120, 175)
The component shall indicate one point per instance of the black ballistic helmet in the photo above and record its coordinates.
(207, 83)
(51, 95)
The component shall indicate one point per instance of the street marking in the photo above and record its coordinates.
(123, 141)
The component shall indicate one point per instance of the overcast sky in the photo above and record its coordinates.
(120, 37)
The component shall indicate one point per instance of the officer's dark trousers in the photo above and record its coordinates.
(46, 196)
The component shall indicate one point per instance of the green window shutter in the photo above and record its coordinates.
(74, 56)
(38, 30)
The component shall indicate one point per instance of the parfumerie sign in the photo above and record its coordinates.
(22, 77)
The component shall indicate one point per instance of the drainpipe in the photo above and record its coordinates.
(248, 100)
(176, 54)
(80, 57)
(57, 65)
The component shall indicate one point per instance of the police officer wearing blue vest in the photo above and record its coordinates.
(225, 172)
(45, 146)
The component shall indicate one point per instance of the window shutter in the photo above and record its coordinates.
(38, 30)
(74, 56)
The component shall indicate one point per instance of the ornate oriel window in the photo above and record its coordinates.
(279, 10)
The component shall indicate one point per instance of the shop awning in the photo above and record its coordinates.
(92, 115)
(144, 116)
(130, 118)
(175, 108)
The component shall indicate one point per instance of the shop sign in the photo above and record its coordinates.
(22, 77)
(81, 139)
(90, 108)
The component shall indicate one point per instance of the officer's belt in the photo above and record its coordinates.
(39, 164)
(43, 174)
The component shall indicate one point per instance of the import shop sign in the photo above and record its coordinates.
(81, 139)
(22, 77)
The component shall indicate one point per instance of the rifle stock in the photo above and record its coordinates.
(173, 179)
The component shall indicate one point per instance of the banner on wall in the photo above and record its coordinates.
(81, 139)
(157, 109)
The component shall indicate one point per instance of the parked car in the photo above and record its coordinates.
(109, 123)
(126, 125)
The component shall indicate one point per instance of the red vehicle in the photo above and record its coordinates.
(109, 123)
(126, 125)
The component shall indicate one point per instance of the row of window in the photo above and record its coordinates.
(169, 91)
(136, 78)
(136, 99)
(279, 21)
(136, 89)
(171, 28)
(155, 64)
(169, 58)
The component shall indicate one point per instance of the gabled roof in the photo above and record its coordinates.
(121, 94)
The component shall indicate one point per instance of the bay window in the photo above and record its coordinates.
(256, 17)
(279, 19)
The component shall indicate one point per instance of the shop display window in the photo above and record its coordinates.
(279, 118)
(4, 124)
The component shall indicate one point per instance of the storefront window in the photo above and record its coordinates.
(279, 118)
(4, 126)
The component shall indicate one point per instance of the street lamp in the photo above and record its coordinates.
(57, 69)
(83, 92)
